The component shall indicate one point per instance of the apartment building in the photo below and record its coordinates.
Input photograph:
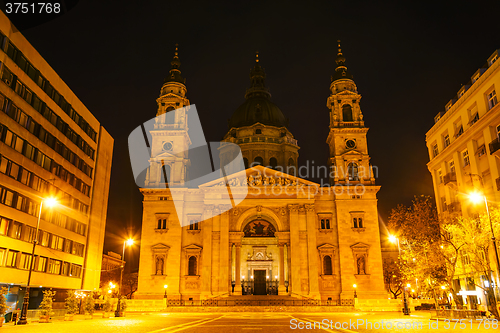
(464, 151)
(50, 146)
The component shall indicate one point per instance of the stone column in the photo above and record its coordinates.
(237, 288)
(206, 269)
(224, 276)
(282, 288)
(312, 251)
(295, 249)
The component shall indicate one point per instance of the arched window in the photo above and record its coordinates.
(258, 161)
(192, 265)
(327, 265)
(355, 222)
(322, 223)
(170, 115)
(360, 222)
(166, 174)
(162, 223)
(273, 163)
(245, 161)
(327, 223)
(347, 112)
(352, 171)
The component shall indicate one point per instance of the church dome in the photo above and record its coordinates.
(258, 110)
(257, 107)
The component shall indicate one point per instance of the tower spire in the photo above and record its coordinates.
(175, 73)
(341, 69)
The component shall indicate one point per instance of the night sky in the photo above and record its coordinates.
(408, 61)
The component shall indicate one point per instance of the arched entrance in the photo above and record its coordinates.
(259, 258)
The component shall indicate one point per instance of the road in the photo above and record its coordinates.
(251, 322)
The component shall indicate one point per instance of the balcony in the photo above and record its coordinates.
(494, 148)
(450, 178)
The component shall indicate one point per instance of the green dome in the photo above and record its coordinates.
(258, 110)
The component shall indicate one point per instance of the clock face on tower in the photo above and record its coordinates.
(350, 144)
(167, 146)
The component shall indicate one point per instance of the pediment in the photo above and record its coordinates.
(360, 245)
(327, 246)
(260, 176)
(160, 247)
(194, 247)
(163, 155)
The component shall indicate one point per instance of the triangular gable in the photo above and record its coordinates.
(256, 171)
(192, 247)
(360, 245)
(160, 247)
(327, 246)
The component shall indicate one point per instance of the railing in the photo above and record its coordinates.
(268, 302)
(494, 146)
(35, 314)
(457, 314)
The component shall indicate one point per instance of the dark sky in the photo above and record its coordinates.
(408, 60)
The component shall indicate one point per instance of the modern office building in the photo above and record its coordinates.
(50, 146)
(464, 151)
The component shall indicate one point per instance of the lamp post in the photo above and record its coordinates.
(406, 311)
(355, 286)
(477, 197)
(165, 296)
(128, 242)
(49, 202)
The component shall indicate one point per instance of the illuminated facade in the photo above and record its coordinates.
(464, 153)
(309, 241)
(50, 146)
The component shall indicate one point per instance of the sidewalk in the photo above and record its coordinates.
(77, 317)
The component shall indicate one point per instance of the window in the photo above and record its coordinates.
(440, 176)
(192, 266)
(3, 255)
(77, 249)
(57, 243)
(65, 268)
(459, 130)
(4, 226)
(493, 59)
(245, 162)
(76, 270)
(435, 150)
(352, 171)
(193, 225)
(481, 150)
(54, 266)
(443, 204)
(474, 118)
(258, 161)
(446, 140)
(327, 265)
(273, 163)
(452, 166)
(29, 234)
(25, 261)
(325, 224)
(15, 230)
(347, 112)
(465, 155)
(258, 131)
(162, 224)
(492, 99)
(11, 258)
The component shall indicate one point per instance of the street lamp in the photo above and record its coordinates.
(355, 286)
(477, 197)
(128, 242)
(406, 310)
(49, 202)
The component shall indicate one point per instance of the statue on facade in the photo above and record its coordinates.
(159, 266)
(361, 265)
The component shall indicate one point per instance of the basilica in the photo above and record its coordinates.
(286, 235)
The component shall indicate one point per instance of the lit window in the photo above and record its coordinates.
(465, 155)
(440, 176)
(452, 166)
(435, 150)
(446, 140)
(492, 99)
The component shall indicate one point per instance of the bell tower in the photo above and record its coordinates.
(170, 132)
(349, 159)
